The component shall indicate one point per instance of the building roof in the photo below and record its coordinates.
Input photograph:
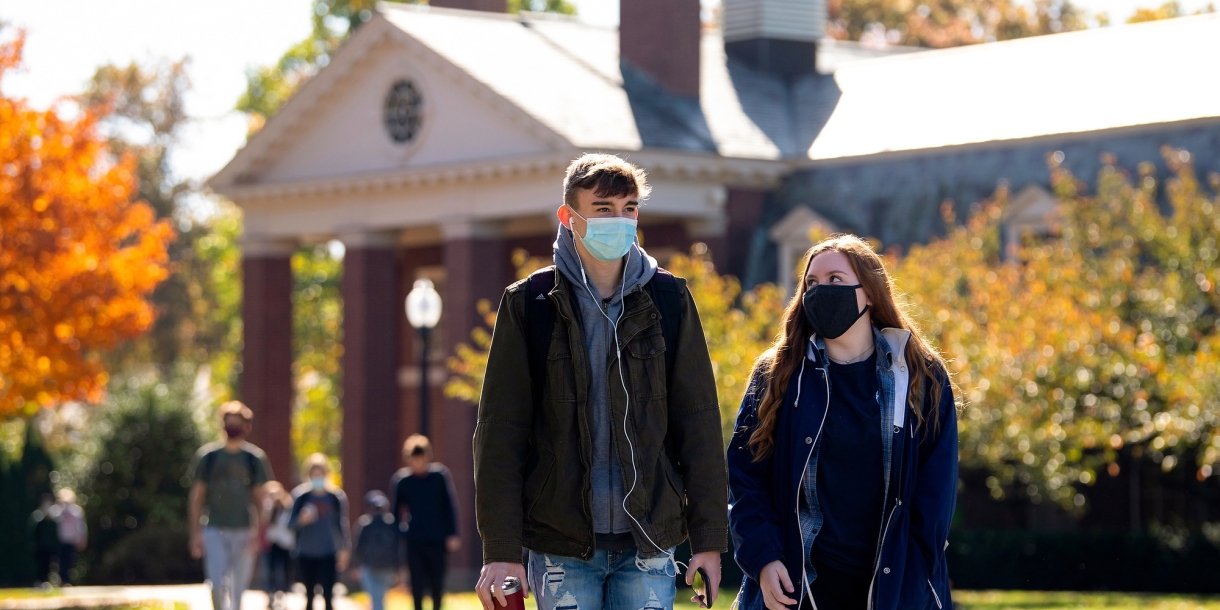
(1108, 78)
(565, 79)
(568, 76)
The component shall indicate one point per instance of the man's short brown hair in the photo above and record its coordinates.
(417, 444)
(606, 176)
(236, 407)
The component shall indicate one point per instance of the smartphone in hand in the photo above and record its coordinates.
(700, 586)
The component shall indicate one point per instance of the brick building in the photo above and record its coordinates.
(434, 143)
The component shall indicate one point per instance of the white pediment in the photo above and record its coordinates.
(335, 126)
(350, 136)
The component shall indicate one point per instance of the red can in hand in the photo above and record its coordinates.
(512, 594)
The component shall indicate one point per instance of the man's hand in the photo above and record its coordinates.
(453, 544)
(341, 559)
(491, 583)
(775, 584)
(196, 545)
(710, 562)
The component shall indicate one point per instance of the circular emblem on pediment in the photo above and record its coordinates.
(403, 114)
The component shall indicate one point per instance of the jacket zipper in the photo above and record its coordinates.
(804, 576)
(934, 595)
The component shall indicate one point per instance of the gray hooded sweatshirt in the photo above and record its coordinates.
(607, 476)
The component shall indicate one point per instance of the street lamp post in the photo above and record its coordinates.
(423, 312)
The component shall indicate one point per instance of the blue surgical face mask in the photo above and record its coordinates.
(607, 239)
(318, 482)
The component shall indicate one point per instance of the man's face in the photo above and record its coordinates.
(235, 422)
(590, 205)
(418, 463)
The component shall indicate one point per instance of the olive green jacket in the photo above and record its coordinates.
(532, 461)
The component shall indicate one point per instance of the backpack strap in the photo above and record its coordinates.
(663, 288)
(539, 322)
(251, 466)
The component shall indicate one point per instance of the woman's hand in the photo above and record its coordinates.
(775, 584)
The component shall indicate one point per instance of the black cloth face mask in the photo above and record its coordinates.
(831, 309)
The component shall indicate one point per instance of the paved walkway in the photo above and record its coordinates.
(197, 597)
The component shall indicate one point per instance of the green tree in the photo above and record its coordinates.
(25, 475)
(317, 420)
(1169, 10)
(562, 7)
(949, 23)
(137, 460)
(197, 306)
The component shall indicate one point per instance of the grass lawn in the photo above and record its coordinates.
(964, 600)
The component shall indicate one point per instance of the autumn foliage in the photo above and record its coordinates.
(78, 254)
(1073, 348)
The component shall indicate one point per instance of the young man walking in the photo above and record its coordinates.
(598, 445)
(228, 490)
(424, 503)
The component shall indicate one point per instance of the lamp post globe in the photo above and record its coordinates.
(423, 312)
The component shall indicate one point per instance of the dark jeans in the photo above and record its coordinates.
(278, 573)
(318, 571)
(426, 560)
(42, 562)
(835, 590)
(67, 559)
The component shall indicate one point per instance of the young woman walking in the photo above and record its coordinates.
(843, 464)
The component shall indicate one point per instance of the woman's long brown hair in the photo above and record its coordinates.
(784, 357)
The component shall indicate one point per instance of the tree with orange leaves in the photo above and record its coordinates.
(78, 253)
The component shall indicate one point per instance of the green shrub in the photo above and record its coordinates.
(136, 485)
(1084, 561)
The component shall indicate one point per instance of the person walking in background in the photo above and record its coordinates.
(280, 540)
(598, 445)
(425, 508)
(843, 463)
(377, 554)
(45, 529)
(319, 516)
(73, 533)
(228, 492)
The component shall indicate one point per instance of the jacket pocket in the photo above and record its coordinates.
(560, 373)
(671, 474)
(935, 596)
(647, 364)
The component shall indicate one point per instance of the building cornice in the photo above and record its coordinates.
(668, 165)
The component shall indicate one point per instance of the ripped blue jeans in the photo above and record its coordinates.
(611, 580)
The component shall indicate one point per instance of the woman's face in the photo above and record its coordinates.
(833, 267)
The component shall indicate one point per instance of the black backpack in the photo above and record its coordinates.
(540, 319)
(377, 545)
